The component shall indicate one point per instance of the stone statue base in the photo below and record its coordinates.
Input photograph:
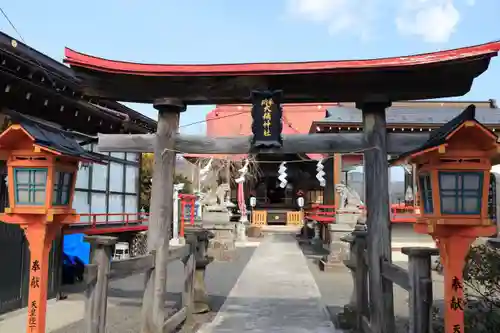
(216, 208)
(222, 246)
(215, 217)
(338, 249)
(347, 215)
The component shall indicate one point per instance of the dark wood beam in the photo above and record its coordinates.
(378, 216)
(397, 143)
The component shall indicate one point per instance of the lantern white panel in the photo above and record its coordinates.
(82, 177)
(118, 155)
(116, 207)
(81, 205)
(99, 177)
(116, 177)
(131, 178)
(98, 206)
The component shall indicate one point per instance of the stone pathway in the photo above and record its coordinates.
(276, 292)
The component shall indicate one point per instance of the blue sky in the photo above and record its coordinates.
(222, 31)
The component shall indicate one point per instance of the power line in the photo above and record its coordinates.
(50, 78)
(12, 24)
(24, 41)
(207, 120)
(284, 119)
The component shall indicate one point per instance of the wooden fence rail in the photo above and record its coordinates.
(102, 269)
(417, 280)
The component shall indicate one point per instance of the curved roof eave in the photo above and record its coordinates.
(78, 59)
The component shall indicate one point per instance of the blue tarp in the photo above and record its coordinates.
(74, 246)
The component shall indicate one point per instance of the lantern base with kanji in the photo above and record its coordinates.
(42, 163)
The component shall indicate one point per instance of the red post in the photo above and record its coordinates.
(192, 211)
(182, 218)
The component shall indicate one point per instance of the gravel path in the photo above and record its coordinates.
(124, 303)
(336, 288)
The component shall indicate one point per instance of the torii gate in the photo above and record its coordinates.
(372, 84)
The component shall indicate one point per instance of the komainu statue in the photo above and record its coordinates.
(214, 198)
(349, 208)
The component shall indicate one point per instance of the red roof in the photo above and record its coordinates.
(423, 76)
(83, 60)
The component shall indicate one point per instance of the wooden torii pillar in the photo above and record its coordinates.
(160, 219)
(337, 177)
(377, 214)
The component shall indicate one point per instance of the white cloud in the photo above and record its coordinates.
(353, 16)
(432, 20)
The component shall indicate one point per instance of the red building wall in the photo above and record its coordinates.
(233, 120)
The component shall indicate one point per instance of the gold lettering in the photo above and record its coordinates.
(267, 104)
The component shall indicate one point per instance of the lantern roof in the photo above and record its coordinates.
(444, 133)
(47, 138)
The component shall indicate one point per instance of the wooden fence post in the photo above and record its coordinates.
(361, 282)
(97, 289)
(189, 275)
(421, 298)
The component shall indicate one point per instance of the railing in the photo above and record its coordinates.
(259, 217)
(417, 280)
(102, 269)
(321, 213)
(99, 222)
(118, 222)
(294, 218)
(400, 213)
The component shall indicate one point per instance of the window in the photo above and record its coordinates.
(62, 187)
(30, 186)
(426, 191)
(461, 192)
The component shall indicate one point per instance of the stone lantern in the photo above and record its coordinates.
(42, 164)
(456, 203)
